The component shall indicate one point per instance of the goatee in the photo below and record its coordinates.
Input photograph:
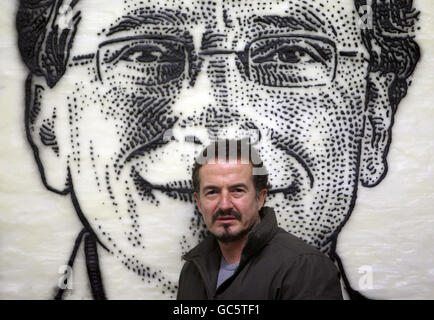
(227, 236)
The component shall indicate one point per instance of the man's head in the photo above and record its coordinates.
(229, 151)
(119, 102)
(230, 185)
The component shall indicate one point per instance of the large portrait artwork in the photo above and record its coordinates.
(119, 97)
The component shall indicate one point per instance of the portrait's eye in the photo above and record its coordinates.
(145, 62)
(289, 61)
(290, 55)
(142, 54)
(147, 54)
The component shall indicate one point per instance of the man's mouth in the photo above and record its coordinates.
(225, 220)
(226, 216)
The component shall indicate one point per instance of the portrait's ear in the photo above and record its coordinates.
(380, 111)
(45, 122)
(378, 129)
(394, 55)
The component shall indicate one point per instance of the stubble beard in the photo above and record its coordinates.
(227, 236)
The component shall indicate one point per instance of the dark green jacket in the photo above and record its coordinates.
(274, 265)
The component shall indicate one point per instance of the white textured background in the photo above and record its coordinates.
(390, 232)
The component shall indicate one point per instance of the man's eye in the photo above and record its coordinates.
(291, 61)
(210, 194)
(238, 192)
(145, 62)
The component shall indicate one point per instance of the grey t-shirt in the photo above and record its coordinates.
(226, 270)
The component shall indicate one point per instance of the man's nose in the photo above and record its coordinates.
(225, 201)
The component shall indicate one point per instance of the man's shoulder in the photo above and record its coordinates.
(301, 270)
(204, 247)
(291, 247)
(286, 246)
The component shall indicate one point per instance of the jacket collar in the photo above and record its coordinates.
(207, 255)
(260, 235)
(257, 239)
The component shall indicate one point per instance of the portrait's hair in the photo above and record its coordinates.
(228, 150)
(390, 42)
(45, 47)
(44, 39)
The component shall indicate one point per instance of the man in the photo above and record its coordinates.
(119, 101)
(247, 255)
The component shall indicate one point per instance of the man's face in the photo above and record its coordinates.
(228, 199)
(150, 84)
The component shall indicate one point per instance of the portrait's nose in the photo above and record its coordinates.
(220, 73)
(225, 109)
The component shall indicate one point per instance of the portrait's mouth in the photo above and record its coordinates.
(178, 190)
(183, 189)
(296, 177)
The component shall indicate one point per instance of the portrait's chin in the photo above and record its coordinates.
(313, 215)
(138, 230)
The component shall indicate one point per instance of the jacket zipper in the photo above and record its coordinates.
(203, 279)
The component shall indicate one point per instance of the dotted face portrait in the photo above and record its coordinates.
(120, 101)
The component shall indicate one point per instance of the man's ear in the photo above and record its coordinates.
(44, 117)
(378, 129)
(196, 197)
(261, 198)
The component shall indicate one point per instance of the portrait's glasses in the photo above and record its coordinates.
(146, 61)
(274, 61)
(291, 61)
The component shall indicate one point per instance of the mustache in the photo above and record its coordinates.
(230, 212)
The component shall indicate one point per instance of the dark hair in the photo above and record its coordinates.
(41, 42)
(232, 150)
(390, 42)
(44, 45)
